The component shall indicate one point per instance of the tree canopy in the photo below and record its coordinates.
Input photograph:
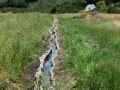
(58, 6)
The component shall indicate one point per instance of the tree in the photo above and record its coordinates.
(3, 3)
(16, 3)
(108, 2)
(63, 6)
(31, 0)
(101, 6)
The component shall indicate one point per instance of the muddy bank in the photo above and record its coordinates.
(27, 77)
(63, 77)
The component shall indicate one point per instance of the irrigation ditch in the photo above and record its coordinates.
(45, 75)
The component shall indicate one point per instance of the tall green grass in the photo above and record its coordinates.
(21, 37)
(92, 51)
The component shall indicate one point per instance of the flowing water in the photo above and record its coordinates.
(48, 63)
(45, 75)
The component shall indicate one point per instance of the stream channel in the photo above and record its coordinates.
(45, 79)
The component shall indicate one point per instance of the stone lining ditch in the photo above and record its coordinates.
(45, 76)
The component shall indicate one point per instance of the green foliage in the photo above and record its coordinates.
(2, 3)
(31, 0)
(108, 2)
(16, 3)
(117, 4)
(113, 9)
(64, 6)
(54, 6)
(116, 44)
(101, 6)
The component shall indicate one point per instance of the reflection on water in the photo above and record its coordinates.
(48, 64)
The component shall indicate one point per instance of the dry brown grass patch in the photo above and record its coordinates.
(109, 15)
(117, 23)
(3, 74)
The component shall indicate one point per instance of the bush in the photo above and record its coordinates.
(16, 3)
(31, 0)
(113, 9)
(103, 9)
(2, 3)
(4, 10)
(67, 6)
(117, 4)
(101, 6)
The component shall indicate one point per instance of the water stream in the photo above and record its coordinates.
(48, 63)
(45, 75)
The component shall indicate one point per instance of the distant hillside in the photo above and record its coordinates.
(58, 6)
(46, 6)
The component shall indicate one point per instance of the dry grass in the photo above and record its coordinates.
(103, 15)
(110, 15)
(3, 74)
(117, 23)
(68, 15)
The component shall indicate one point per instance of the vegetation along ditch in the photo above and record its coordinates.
(21, 38)
(92, 54)
(89, 58)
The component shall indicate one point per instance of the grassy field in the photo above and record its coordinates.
(92, 53)
(91, 49)
(21, 37)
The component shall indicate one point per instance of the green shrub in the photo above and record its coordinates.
(2, 3)
(4, 10)
(31, 0)
(113, 9)
(67, 6)
(16, 3)
(101, 6)
(103, 9)
(117, 4)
